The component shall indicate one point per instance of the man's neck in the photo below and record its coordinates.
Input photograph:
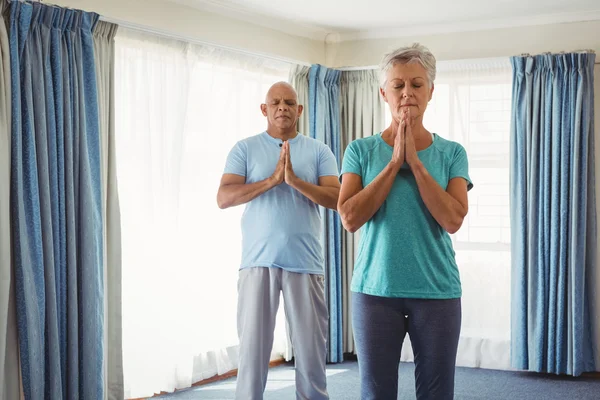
(282, 135)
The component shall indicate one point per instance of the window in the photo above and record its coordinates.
(180, 108)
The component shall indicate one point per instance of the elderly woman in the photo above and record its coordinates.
(407, 188)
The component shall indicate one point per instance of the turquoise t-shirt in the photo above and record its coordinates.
(403, 251)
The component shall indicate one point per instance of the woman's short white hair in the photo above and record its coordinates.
(404, 55)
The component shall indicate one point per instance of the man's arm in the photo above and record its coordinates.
(234, 190)
(324, 194)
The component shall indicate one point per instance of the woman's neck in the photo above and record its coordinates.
(423, 138)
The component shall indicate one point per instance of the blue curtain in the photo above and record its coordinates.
(553, 212)
(324, 121)
(56, 202)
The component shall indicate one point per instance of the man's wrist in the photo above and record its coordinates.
(293, 181)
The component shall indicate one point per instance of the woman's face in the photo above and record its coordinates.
(407, 86)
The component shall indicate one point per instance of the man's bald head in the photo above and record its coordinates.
(281, 89)
(281, 108)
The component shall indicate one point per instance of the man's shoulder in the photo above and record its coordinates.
(257, 138)
(310, 141)
(250, 141)
(312, 145)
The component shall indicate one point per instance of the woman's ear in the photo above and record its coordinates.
(382, 91)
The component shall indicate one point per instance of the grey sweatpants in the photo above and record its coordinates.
(306, 312)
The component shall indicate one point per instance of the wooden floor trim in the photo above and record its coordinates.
(233, 373)
(594, 375)
(213, 379)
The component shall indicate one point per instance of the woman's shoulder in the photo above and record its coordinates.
(447, 146)
(365, 144)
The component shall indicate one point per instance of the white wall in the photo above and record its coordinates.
(195, 24)
(480, 44)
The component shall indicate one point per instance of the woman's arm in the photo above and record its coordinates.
(356, 205)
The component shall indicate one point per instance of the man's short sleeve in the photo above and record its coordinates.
(236, 160)
(327, 164)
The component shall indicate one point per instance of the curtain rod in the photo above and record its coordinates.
(584, 51)
(441, 63)
(562, 52)
(147, 29)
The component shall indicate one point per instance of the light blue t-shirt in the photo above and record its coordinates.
(403, 251)
(281, 228)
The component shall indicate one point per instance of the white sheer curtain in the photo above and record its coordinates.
(471, 105)
(180, 108)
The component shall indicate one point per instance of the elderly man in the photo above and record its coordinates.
(282, 177)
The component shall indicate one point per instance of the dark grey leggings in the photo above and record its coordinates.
(380, 324)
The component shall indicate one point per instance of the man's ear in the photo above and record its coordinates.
(263, 108)
(431, 92)
(300, 109)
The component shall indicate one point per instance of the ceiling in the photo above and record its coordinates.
(336, 20)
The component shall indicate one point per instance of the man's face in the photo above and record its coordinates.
(281, 107)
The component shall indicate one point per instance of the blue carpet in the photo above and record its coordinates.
(471, 384)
